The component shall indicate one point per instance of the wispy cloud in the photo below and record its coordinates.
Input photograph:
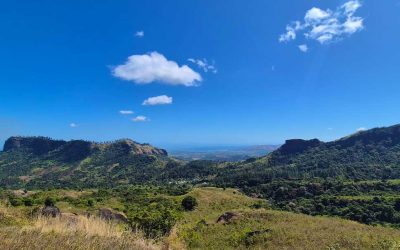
(126, 112)
(204, 65)
(73, 125)
(139, 33)
(140, 118)
(154, 67)
(326, 26)
(158, 100)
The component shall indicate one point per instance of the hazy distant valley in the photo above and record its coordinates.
(221, 153)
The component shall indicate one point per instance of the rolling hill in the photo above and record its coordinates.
(371, 154)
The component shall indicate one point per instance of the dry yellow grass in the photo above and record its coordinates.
(17, 239)
(91, 226)
(70, 232)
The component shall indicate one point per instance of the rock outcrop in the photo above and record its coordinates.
(35, 145)
(295, 146)
(227, 217)
(51, 211)
(108, 214)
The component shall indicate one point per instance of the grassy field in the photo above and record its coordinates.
(268, 229)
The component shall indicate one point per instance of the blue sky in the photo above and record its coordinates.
(69, 67)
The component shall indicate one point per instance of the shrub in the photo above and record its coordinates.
(15, 201)
(49, 202)
(189, 203)
(28, 202)
(90, 202)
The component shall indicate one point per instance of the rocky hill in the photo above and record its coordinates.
(42, 145)
(44, 161)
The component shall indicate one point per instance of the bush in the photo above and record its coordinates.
(15, 201)
(28, 202)
(90, 202)
(189, 203)
(49, 202)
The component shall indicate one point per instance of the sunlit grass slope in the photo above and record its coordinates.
(268, 229)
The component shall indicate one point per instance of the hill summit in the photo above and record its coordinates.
(75, 150)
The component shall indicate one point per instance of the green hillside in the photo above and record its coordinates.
(257, 227)
(371, 154)
(150, 210)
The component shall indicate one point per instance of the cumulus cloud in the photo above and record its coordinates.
(157, 100)
(154, 67)
(140, 118)
(204, 65)
(303, 48)
(73, 125)
(139, 33)
(316, 15)
(326, 26)
(126, 112)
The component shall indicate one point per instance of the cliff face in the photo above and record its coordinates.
(295, 146)
(35, 145)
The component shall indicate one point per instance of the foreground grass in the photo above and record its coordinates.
(268, 229)
(69, 232)
(15, 238)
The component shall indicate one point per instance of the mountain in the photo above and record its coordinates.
(371, 154)
(41, 161)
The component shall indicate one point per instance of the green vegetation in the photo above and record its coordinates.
(268, 229)
(355, 178)
(157, 212)
(189, 203)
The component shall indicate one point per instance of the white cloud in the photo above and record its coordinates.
(316, 15)
(326, 26)
(361, 129)
(139, 33)
(157, 100)
(154, 67)
(73, 125)
(126, 112)
(140, 118)
(289, 35)
(204, 65)
(351, 6)
(303, 48)
(353, 24)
